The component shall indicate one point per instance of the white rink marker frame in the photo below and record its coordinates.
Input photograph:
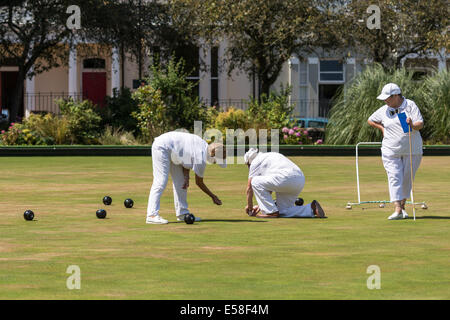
(381, 202)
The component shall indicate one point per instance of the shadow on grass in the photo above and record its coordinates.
(431, 217)
(226, 220)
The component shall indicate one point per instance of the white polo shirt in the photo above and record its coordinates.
(186, 149)
(271, 163)
(395, 141)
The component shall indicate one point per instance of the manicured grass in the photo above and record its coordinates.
(226, 256)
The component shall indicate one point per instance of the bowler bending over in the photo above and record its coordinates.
(178, 153)
(272, 172)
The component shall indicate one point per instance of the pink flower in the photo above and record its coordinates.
(3, 131)
(298, 134)
(319, 141)
(12, 123)
(305, 132)
(300, 142)
(291, 132)
(285, 130)
(285, 137)
(295, 128)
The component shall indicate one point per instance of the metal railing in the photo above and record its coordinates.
(46, 101)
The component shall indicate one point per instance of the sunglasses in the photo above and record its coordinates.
(392, 112)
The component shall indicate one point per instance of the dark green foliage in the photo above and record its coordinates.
(118, 109)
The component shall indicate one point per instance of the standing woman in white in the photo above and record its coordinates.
(178, 153)
(395, 147)
(272, 172)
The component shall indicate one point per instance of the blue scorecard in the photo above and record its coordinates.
(402, 118)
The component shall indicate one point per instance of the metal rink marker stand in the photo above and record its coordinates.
(381, 202)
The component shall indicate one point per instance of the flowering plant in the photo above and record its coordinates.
(18, 134)
(298, 136)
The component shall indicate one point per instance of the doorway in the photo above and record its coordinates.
(94, 87)
(326, 94)
(8, 80)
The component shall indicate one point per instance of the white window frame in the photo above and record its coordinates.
(332, 81)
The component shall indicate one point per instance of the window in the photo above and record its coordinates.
(214, 75)
(331, 70)
(191, 56)
(8, 62)
(302, 105)
(94, 63)
(421, 67)
(316, 124)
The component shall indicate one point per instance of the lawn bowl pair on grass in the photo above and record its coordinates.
(101, 213)
(128, 203)
(107, 200)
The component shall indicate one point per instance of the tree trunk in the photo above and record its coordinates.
(265, 87)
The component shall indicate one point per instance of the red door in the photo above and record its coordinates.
(94, 87)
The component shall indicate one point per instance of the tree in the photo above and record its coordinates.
(261, 35)
(139, 27)
(406, 26)
(34, 36)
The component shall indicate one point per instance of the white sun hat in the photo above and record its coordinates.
(389, 90)
(250, 155)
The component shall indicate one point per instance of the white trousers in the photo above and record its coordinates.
(398, 171)
(162, 166)
(287, 189)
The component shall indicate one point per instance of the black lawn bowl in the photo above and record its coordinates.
(128, 203)
(101, 213)
(299, 202)
(28, 215)
(189, 218)
(107, 200)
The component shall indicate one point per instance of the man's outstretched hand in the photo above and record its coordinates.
(216, 200)
(252, 211)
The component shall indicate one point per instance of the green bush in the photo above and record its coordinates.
(116, 136)
(434, 103)
(357, 101)
(82, 120)
(50, 128)
(118, 109)
(231, 119)
(15, 135)
(22, 134)
(182, 105)
(151, 115)
(271, 112)
(211, 114)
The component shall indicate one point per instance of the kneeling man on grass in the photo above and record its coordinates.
(178, 153)
(272, 172)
